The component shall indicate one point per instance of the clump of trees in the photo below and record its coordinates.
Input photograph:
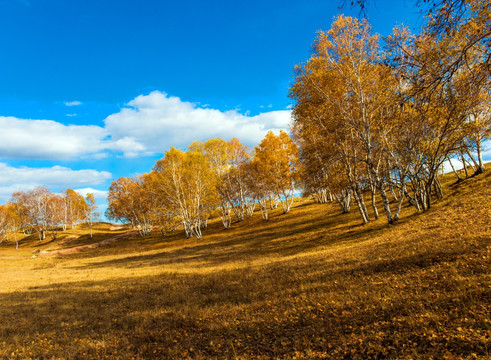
(44, 212)
(187, 187)
(383, 120)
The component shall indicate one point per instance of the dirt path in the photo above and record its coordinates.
(73, 250)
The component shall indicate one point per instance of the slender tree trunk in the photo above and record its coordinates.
(428, 195)
(374, 201)
(438, 189)
(402, 191)
(250, 207)
(361, 205)
(264, 208)
(287, 202)
(375, 178)
(196, 230)
(453, 169)
(225, 216)
(476, 165)
(479, 156)
(412, 201)
(187, 229)
(464, 164)
(344, 200)
(391, 187)
(386, 202)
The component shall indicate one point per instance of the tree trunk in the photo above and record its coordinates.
(476, 165)
(464, 164)
(287, 202)
(401, 199)
(264, 208)
(344, 200)
(386, 203)
(374, 201)
(455, 172)
(375, 179)
(438, 189)
(361, 205)
(250, 208)
(413, 202)
(479, 157)
(187, 229)
(225, 216)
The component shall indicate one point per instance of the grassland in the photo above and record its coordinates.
(307, 285)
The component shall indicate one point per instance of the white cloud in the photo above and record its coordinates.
(56, 177)
(148, 124)
(72, 103)
(98, 194)
(48, 140)
(154, 122)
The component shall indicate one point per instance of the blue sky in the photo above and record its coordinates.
(94, 90)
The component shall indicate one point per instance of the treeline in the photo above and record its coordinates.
(213, 177)
(370, 118)
(44, 212)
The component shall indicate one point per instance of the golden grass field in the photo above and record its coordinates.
(311, 284)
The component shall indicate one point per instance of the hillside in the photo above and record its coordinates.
(310, 284)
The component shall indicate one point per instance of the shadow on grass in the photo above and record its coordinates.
(282, 235)
(271, 311)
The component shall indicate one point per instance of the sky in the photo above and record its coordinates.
(94, 90)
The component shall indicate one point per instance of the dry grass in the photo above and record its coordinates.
(310, 284)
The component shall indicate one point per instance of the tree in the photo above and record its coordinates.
(225, 159)
(186, 184)
(74, 208)
(54, 215)
(355, 91)
(37, 205)
(20, 201)
(443, 99)
(277, 161)
(9, 222)
(132, 200)
(90, 212)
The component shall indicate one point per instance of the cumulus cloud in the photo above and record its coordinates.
(154, 122)
(148, 124)
(56, 177)
(48, 140)
(99, 195)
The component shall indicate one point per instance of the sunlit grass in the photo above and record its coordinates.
(310, 284)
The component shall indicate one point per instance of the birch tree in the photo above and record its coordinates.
(278, 161)
(185, 181)
(131, 199)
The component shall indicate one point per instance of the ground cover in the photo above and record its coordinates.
(313, 283)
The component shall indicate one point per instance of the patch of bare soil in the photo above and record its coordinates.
(116, 227)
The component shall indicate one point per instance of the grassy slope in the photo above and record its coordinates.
(309, 284)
